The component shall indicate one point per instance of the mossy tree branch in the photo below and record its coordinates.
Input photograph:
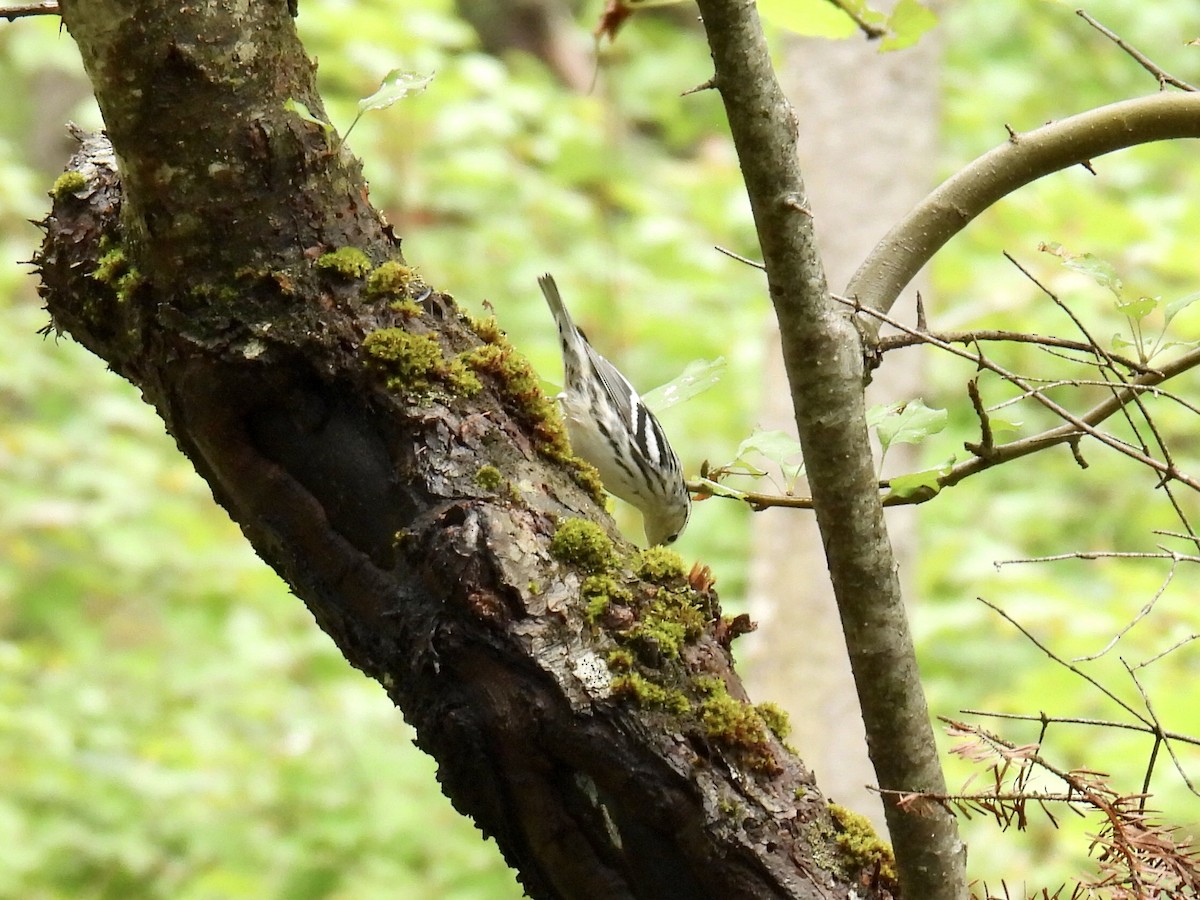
(393, 461)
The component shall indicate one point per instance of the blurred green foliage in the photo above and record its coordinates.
(172, 724)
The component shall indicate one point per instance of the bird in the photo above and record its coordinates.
(610, 427)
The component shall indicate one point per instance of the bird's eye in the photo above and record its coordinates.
(672, 538)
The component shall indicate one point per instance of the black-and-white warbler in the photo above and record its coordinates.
(610, 427)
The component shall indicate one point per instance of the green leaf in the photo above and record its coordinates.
(1138, 309)
(1170, 345)
(396, 85)
(720, 490)
(1121, 343)
(812, 18)
(1175, 307)
(293, 105)
(776, 446)
(927, 479)
(909, 423)
(1000, 425)
(907, 23)
(698, 376)
(1099, 270)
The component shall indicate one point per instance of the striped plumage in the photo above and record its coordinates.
(611, 428)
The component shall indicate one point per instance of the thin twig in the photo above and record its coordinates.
(1141, 614)
(1049, 384)
(1080, 424)
(1175, 534)
(872, 32)
(1159, 729)
(739, 258)
(1075, 720)
(920, 336)
(1102, 554)
(1175, 646)
(11, 13)
(1062, 662)
(1136, 398)
(1164, 77)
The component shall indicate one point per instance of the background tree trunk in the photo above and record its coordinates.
(868, 150)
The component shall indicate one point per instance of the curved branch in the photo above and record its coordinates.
(1024, 158)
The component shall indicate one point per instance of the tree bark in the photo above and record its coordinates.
(866, 116)
(392, 460)
(823, 358)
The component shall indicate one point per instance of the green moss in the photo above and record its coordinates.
(407, 360)
(633, 686)
(666, 623)
(410, 362)
(659, 564)
(407, 308)
(389, 279)
(349, 262)
(127, 284)
(597, 606)
(599, 592)
(729, 809)
(584, 544)
(461, 379)
(487, 329)
(775, 718)
(114, 270)
(111, 266)
(620, 660)
(523, 392)
(800, 793)
(739, 727)
(213, 295)
(67, 183)
(488, 478)
(862, 850)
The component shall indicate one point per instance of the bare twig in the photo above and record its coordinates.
(872, 32)
(1175, 646)
(1158, 729)
(1064, 663)
(989, 335)
(1141, 614)
(739, 257)
(1135, 397)
(1175, 534)
(12, 13)
(987, 443)
(1076, 720)
(1081, 425)
(1049, 384)
(1103, 554)
(1164, 77)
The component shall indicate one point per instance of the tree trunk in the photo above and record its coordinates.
(867, 115)
(395, 462)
